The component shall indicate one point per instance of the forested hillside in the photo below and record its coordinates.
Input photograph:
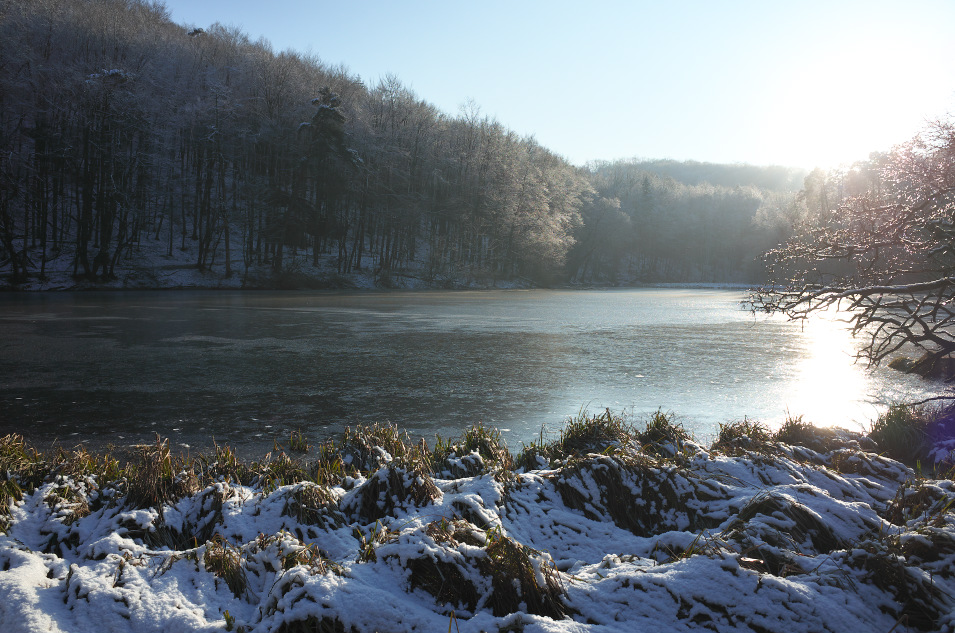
(126, 139)
(691, 172)
(646, 227)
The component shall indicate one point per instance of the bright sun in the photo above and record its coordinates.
(847, 100)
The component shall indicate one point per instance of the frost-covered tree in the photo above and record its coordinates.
(119, 127)
(885, 253)
(677, 231)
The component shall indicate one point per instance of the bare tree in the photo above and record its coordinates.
(885, 254)
(119, 127)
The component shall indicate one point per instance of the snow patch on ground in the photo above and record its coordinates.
(150, 264)
(796, 540)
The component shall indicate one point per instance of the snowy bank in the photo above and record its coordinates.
(608, 529)
(149, 265)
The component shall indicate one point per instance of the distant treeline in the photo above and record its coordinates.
(646, 227)
(118, 126)
(693, 172)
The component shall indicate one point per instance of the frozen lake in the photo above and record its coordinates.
(247, 368)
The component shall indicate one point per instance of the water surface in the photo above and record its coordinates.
(248, 367)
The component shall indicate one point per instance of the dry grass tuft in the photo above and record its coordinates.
(521, 579)
(282, 470)
(915, 500)
(211, 500)
(445, 578)
(290, 551)
(329, 469)
(390, 488)
(313, 624)
(932, 544)
(797, 432)
(502, 575)
(663, 436)
(225, 561)
(480, 450)
(917, 600)
(580, 436)
(638, 493)
(68, 503)
(22, 469)
(159, 478)
(738, 438)
(368, 448)
(596, 434)
(10, 493)
(313, 504)
(223, 465)
(376, 535)
(784, 524)
(903, 433)
(855, 462)
(297, 442)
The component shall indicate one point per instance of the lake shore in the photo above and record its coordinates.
(155, 268)
(608, 528)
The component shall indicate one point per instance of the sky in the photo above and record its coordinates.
(800, 83)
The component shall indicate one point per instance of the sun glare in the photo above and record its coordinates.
(847, 101)
(830, 388)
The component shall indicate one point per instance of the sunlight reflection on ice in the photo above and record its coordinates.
(831, 388)
(428, 362)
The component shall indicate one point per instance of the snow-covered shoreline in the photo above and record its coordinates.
(648, 533)
(154, 268)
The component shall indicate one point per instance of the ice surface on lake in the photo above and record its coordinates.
(226, 364)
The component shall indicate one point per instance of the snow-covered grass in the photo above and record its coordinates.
(609, 528)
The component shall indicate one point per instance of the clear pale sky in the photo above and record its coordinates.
(800, 83)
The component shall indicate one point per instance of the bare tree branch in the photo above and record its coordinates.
(884, 255)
